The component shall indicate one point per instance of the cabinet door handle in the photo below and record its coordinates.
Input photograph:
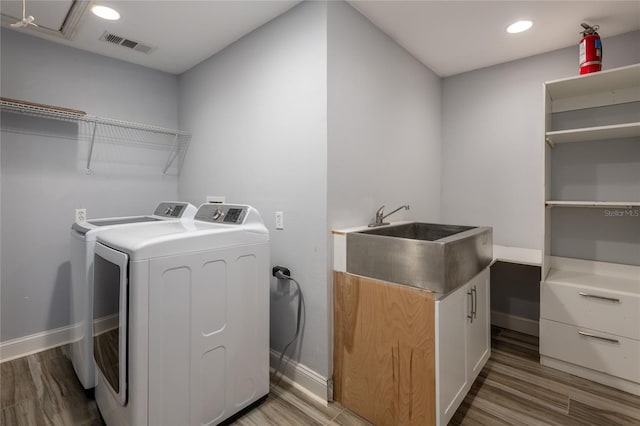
(606, 339)
(475, 301)
(470, 316)
(595, 296)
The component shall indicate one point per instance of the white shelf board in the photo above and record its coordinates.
(596, 280)
(618, 78)
(567, 269)
(523, 256)
(594, 204)
(107, 130)
(616, 131)
(45, 112)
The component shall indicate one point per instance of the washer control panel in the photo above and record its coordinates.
(222, 213)
(170, 209)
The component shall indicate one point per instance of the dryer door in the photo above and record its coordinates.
(110, 316)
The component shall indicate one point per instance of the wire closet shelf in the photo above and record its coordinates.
(106, 130)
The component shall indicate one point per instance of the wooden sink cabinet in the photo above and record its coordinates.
(402, 356)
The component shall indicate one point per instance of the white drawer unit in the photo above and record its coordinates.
(603, 352)
(603, 303)
(590, 321)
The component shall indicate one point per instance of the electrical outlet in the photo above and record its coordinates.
(282, 269)
(279, 220)
(81, 215)
(284, 286)
(216, 199)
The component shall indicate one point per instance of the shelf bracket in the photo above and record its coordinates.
(550, 142)
(172, 154)
(93, 140)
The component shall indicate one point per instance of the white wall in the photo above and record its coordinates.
(493, 140)
(265, 112)
(384, 118)
(384, 128)
(384, 125)
(42, 171)
(257, 111)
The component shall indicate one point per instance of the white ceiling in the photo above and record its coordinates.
(450, 37)
(182, 33)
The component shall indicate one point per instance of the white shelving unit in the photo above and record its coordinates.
(590, 310)
(106, 130)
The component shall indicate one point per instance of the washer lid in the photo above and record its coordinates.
(84, 227)
(171, 238)
(166, 210)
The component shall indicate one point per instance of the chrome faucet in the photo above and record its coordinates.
(380, 216)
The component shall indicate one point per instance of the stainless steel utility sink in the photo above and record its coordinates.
(435, 257)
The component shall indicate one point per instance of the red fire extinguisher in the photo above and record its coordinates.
(590, 49)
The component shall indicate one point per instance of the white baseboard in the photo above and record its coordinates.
(302, 377)
(593, 375)
(104, 324)
(27, 345)
(516, 323)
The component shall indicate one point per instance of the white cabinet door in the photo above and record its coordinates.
(479, 326)
(452, 377)
(463, 341)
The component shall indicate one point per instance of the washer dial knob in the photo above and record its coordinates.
(218, 214)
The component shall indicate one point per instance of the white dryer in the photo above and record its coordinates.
(83, 240)
(192, 342)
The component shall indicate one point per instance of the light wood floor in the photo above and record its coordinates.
(513, 389)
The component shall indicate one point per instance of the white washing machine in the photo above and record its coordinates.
(191, 346)
(83, 240)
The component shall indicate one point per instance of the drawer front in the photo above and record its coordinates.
(597, 309)
(585, 347)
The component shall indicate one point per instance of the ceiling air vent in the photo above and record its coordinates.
(125, 42)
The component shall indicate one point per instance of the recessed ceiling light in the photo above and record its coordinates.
(518, 27)
(105, 12)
